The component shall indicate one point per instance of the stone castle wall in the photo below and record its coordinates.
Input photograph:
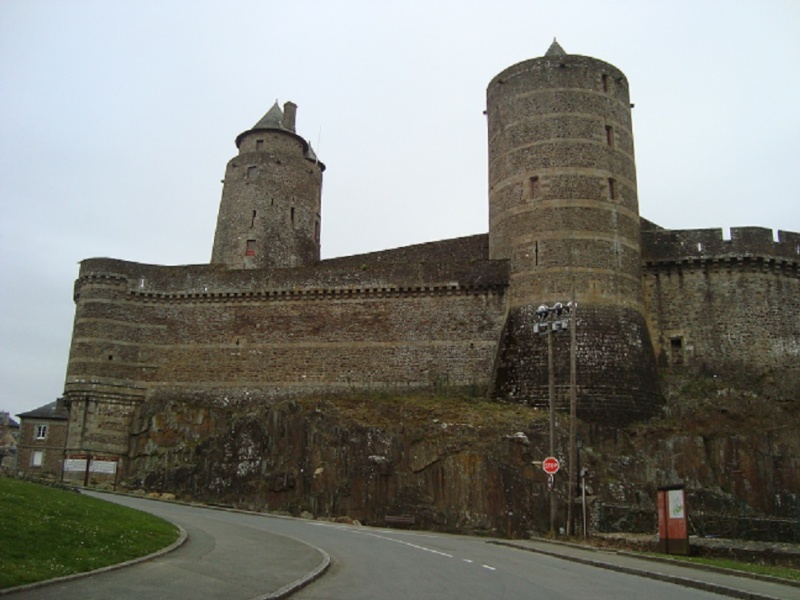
(403, 320)
(727, 306)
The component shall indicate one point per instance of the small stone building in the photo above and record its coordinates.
(42, 437)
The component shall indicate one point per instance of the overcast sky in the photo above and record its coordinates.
(117, 120)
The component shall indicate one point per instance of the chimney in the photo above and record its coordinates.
(289, 114)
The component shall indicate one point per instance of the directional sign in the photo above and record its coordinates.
(550, 465)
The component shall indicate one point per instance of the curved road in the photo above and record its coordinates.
(239, 556)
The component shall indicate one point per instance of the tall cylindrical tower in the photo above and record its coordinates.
(270, 212)
(563, 210)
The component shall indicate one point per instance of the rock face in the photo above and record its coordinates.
(453, 465)
(466, 465)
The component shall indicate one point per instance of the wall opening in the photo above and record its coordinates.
(259, 144)
(291, 214)
(250, 248)
(612, 188)
(41, 432)
(536, 254)
(534, 187)
(252, 172)
(610, 135)
(253, 220)
(676, 351)
(605, 82)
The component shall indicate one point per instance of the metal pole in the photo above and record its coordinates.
(551, 380)
(583, 500)
(573, 475)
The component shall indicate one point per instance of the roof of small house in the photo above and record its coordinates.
(55, 411)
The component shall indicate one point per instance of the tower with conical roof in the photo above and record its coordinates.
(563, 210)
(270, 212)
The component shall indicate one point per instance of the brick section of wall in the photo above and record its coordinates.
(615, 378)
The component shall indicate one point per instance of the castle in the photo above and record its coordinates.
(268, 319)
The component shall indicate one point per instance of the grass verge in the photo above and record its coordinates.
(49, 532)
(773, 571)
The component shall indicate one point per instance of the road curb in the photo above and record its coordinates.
(182, 536)
(684, 581)
(299, 584)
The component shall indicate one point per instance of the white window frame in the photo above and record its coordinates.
(37, 458)
(41, 431)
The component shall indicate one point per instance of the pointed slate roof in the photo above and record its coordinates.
(272, 120)
(555, 49)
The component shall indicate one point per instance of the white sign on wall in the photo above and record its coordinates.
(74, 464)
(676, 504)
(108, 467)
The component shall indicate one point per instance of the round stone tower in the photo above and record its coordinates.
(269, 215)
(563, 210)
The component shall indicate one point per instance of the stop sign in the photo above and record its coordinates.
(550, 465)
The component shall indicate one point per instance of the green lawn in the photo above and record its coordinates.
(47, 532)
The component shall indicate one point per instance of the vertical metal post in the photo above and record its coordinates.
(583, 500)
(573, 475)
(551, 381)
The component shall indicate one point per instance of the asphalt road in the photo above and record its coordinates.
(237, 556)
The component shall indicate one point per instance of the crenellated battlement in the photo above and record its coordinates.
(671, 245)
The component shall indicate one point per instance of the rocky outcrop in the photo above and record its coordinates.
(467, 465)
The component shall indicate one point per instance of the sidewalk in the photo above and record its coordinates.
(712, 579)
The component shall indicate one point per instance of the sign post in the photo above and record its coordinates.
(550, 465)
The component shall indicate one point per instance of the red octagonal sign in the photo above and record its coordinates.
(550, 465)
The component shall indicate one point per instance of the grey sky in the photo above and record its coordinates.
(117, 119)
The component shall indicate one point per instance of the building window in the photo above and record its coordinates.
(259, 144)
(605, 83)
(291, 214)
(252, 172)
(250, 248)
(41, 432)
(534, 187)
(609, 135)
(612, 189)
(37, 458)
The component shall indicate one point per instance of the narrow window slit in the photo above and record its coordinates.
(610, 135)
(533, 187)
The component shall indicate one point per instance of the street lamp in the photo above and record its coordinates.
(553, 319)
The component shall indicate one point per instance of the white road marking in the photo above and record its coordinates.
(357, 531)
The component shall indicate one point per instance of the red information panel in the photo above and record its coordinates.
(673, 532)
